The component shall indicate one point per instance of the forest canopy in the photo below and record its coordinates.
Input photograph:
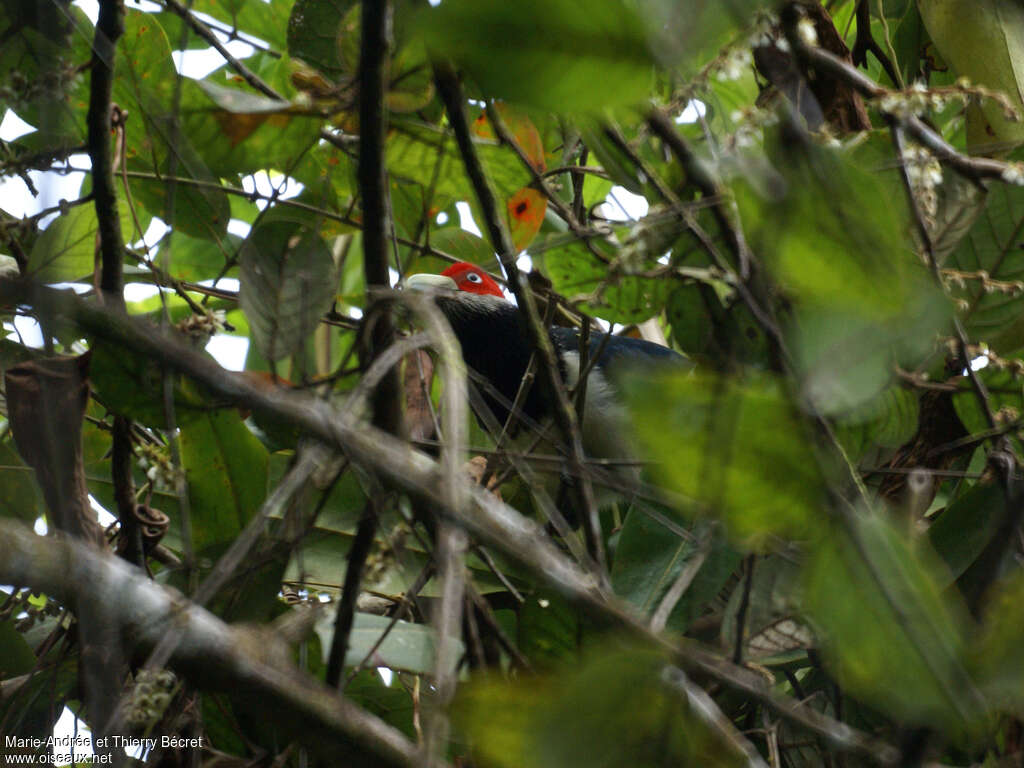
(337, 554)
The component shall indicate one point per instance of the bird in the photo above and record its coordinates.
(495, 345)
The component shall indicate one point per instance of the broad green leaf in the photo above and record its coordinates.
(313, 31)
(986, 270)
(862, 297)
(583, 277)
(43, 48)
(549, 630)
(145, 87)
(427, 155)
(893, 638)
(649, 558)
(19, 496)
(194, 259)
(620, 707)
(964, 528)
(998, 653)
(288, 283)
(66, 250)
(738, 449)
(1005, 398)
(264, 20)
(887, 421)
(465, 246)
(226, 468)
(550, 53)
(16, 656)
(132, 385)
(984, 41)
(408, 647)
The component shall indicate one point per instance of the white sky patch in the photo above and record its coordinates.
(239, 227)
(693, 112)
(261, 183)
(68, 725)
(134, 292)
(197, 63)
(52, 187)
(40, 526)
(225, 283)
(442, 218)
(466, 219)
(104, 517)
(157, 228)
(386, 675)
(979, 362)
(623, 205)
(13, 127)
(91, 8)
(229, 351)
(28, 331)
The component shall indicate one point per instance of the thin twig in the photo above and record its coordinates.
(565, 417)
(109, 28)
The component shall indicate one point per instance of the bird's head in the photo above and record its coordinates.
(461, 276)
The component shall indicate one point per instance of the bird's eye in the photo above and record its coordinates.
(473, 277)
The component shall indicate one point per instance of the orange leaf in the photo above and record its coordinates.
(526, 210)
(522, 129)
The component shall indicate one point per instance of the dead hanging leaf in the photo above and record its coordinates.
(46, 402)
(526, 209)
(418, 374)
(475, 468)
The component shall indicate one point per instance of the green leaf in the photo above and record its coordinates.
(232, 142)
(998, 654)
(995, 311)
(649, 558)
(422, 153)
(195, 259)
(465, 246)
(19, 495)
(984, 41)
(226, 469)
(1005, 397)
(894, 638)
(407, 647)
(619, 708)
(964, 528)
(580, 276)
(888, 420)
(549, 630)
(861, 295)
(16, 657)
(132, 385)
(313, 32)
(546, 52)
(738, 450)
(66, 251)
(288, 283)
